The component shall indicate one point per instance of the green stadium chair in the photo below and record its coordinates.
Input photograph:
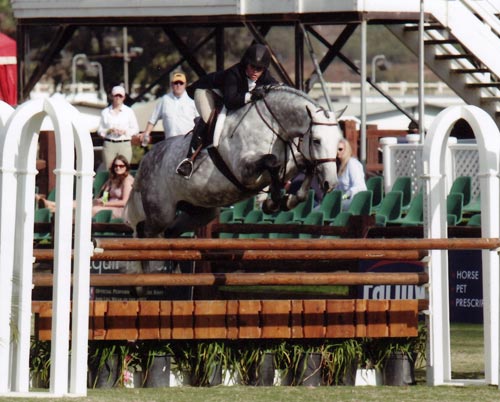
(99, 179)
(474, 220)
(341, 220)
(314, 218)
(254, 216)
(242, 208)
(462, 185)
(376, 185)
(390, 208)
(415, 214)
(226, 216)
(403, 183)
(284, 217)
(42, 215)
(454, 208)
(361, 203)
(303, 209)
(331, 205)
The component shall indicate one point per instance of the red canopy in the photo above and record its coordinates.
(8, 70)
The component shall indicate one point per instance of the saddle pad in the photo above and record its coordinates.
(221, 118)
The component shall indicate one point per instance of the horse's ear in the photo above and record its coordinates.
(339, 114)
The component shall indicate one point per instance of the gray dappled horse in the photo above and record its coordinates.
(262, 144)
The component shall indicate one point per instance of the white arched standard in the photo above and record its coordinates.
(18, 146)
(435, 226)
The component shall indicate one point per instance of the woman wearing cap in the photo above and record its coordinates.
(237, 86)
(176, 109)
(117, 126)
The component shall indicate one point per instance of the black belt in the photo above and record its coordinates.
(107, 139)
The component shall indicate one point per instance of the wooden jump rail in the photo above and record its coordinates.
(247, 279)
(297, 244)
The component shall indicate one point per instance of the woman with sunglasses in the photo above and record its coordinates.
(236, 86)
(350, 173)
(116, 190)
(117, 127)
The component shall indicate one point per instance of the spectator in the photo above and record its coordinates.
(117, 126)
(351, 173)
(115, 192)
(176, 109)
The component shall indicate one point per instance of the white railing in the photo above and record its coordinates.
(405, 159)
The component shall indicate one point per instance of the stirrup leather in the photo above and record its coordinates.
(181, 168)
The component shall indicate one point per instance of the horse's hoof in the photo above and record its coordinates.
(269, 207)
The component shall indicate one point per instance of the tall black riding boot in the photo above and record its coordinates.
(185, 168)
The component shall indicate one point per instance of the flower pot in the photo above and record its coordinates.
(158, 373)
(106, 375)
(399, 369)
(263, 373)
(368, 377)
(309, 370)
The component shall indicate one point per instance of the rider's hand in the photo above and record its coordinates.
(257, 93)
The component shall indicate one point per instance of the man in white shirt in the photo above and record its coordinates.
(117, 126)
(176, 109)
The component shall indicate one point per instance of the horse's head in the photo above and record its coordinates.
(319, 146)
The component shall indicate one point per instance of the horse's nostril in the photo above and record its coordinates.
(326, 186)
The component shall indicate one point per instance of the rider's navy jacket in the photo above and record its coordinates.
(233, 84)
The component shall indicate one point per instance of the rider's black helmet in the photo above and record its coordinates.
(257, 55)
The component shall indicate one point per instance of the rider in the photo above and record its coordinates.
(237, 85)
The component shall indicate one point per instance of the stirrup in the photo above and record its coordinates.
(182, 168)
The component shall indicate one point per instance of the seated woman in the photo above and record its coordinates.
(116, 190)
(351, 174)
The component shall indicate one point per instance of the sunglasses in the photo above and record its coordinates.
(118, 166)
(256, 68)
(117, 96)
(178, 83)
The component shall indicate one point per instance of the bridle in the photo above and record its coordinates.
(310, 162)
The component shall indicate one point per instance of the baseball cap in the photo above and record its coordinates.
(118, 90)
(179, 77)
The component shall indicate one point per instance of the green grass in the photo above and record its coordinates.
(467, 363)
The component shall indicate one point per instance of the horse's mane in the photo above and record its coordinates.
(286, 88)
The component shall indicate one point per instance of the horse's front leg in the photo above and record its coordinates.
(271, 164)
(291, 200)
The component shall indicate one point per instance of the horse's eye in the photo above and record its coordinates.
(316, 142)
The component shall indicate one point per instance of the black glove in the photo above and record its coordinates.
(258, 93)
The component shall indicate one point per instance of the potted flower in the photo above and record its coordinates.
(105, 364)
(156, 358)
(39, 363)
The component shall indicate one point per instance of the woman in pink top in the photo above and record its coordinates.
(115, 192)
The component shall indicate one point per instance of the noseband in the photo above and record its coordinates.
(310, 163)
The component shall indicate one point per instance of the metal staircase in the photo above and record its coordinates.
(462, 47)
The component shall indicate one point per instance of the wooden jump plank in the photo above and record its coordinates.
(242, 319)
(248, 314)
(122, 320)
(360, 318)
(377, 318)
(183, 320)
(296, 319)
(314, 318)
(340, 316)
(98, 319)
(232, 307)
(165, 319)
(403, 318)
(276, 319)
(210, 319)
(148, 319)
(45, 322)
